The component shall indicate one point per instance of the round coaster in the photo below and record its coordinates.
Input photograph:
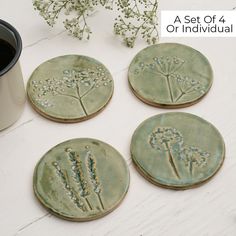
(81, 179)
(170, 75)
(70, 88)
(177, 150)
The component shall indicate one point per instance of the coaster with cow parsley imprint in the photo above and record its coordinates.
(70, 88)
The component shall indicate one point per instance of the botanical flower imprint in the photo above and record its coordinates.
(92, 170)
(75, 84)
(78, 175)
(188, 86)
(87, 180)
(164, 139)
(171, 140)
(168, 68)
(193, 157)
(70, 191)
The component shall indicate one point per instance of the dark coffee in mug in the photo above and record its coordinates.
(7, 53)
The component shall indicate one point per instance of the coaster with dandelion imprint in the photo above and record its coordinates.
(70, 88)
(81, 179)
(170, 75)
(177, 150)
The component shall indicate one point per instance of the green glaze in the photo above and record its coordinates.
(170, 75)
(70, 88)
(177, 150)
(81, 179)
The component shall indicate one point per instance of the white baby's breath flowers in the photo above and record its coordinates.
(137, 17)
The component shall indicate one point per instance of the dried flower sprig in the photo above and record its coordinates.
(170, 69)
(70, 191)
(187, 86)
(75, 84)
(137, 17)
(164, 139)
(92, 170)
(193, 156)
(171, 140)
(78, 175)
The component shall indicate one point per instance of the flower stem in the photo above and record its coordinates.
(87, 201)
(100, 200)
(88, 91)
(180, 96)
(171, 160)
(78, 99)
(169, 87)
(83, 107)
(191, 168)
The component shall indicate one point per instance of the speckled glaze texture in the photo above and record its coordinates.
(70, 88)
(170, 75)
(81, 179)
(177, 150)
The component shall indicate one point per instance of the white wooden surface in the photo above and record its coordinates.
(147, 210)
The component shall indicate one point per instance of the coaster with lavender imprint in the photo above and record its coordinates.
(170, 75)
(177, 150)
(70, 88)
(81, 179)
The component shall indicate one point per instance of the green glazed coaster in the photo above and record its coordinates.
(70, 88)
(170, 75)
(177, 150)
(81, 179)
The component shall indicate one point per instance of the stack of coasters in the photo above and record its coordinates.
(177, 150)
(170, 75)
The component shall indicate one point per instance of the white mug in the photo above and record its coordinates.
(12, 91)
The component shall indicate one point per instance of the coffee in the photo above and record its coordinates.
(7, 53)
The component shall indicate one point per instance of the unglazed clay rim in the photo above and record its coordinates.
(170, 106)
(69, 120)
(151, 179)
(98, 216)
(18, 47)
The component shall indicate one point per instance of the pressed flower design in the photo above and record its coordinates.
(188, 86)
(164, 139)
(78, 175)
(171, 141)
(74, 84)
(168, 68)
(193, 157)
(70, 191)
(85, 178)
(92, 170)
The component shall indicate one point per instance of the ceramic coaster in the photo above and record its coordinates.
(81, 179)
(177, 150)
(70, 88)
(170, 75)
